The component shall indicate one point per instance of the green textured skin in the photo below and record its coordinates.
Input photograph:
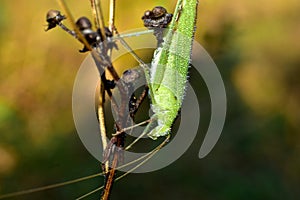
(169, 70)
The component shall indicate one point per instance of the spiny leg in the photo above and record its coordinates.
(152, 120)
(112, 146)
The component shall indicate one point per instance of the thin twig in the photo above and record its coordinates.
(147, 157)
(112, 9)
(102, 122)
(63, 5)
(101, 117)
(100, 13)
(95, 14)
(120, 138)
(106, 62)
(56, 185)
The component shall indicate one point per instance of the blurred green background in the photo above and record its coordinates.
(254, 43)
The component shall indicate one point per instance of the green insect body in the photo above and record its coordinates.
(169, 68)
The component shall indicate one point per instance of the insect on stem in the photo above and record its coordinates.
(166, 98)
(102, 60)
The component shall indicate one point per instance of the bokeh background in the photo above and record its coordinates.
(257, 49)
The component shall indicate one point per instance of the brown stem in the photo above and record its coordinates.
(101, 118)
(140, 100)
(118, 141)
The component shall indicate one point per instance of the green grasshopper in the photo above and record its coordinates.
(169, 69)
(166, 80)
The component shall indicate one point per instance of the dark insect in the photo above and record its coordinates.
(157, 20)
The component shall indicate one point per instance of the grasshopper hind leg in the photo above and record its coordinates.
(147, 131)
(158, 131)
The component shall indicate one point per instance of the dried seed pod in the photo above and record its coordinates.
(83, 23)
(147, 14)
(54, 17)
(159, 11)
(85, 27)
(158, 17)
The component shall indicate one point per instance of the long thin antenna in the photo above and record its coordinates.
(149, 156)
(56, 185)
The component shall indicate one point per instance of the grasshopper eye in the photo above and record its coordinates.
(159, 11)
(83, 23)
(54, 17)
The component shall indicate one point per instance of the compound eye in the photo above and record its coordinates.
(83, 23)
(159, 11)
